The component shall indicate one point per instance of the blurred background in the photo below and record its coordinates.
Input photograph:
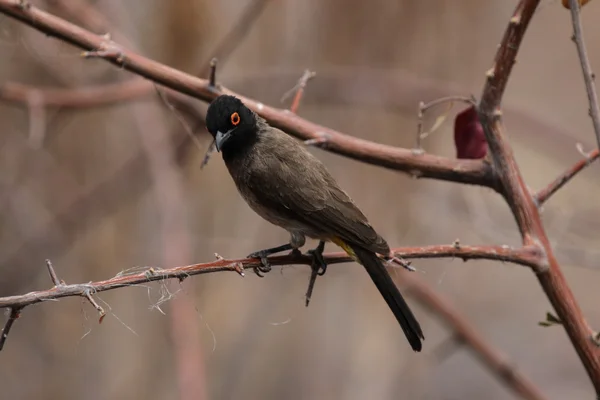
(100, 190)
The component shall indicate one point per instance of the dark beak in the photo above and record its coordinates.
(221, 138)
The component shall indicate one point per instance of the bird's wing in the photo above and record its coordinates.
(303, 190)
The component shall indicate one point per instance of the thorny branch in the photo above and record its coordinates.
(490, 357)
(526, 256)
(543, 195)
(418, 165)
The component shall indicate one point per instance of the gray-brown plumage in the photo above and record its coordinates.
(289, 187)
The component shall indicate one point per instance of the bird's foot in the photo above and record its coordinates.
(264, 266)
(318, 268)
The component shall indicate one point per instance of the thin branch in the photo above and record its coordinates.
(212, 76)
(15, 313)
(586, 68)
(543, 195)
(422, 166)
(52, 273)
(520, 200)
(424, 107)
(101, 312)
(526, 256)
(299, 90)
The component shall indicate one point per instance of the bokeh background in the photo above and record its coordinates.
(106, 189)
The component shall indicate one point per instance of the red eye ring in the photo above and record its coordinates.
(235, 119)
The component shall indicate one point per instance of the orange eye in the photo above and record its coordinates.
(235, 118)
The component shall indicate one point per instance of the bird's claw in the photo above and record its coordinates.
(264, 266)
(319, 266)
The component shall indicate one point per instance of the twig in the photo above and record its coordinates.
(543, 195)
(212, 76)
(299, 90)
(520, 200)
(420, 166)
(101, 312)
(424, 107)
(52, 273)
(15, 313)
(586, 68)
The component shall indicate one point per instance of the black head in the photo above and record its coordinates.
(230, 122)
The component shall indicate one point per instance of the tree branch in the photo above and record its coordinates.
(526, 256)
(543, 195)
(586, 68)
(418, 165)
(521, 201)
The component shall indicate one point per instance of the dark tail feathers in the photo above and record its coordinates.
(392, 296)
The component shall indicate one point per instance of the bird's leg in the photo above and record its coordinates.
(265, 266)
(318, 268)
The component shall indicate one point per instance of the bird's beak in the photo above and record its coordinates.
(221, 138)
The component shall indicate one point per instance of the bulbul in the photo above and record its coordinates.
(289, 187)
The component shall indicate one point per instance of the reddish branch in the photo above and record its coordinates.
(586, 68)
(521, 201)
(526, 256)
(543, 195)
(419, 165)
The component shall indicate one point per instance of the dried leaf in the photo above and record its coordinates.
(469, 138)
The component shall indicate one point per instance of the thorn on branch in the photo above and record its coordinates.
(299, 90)
(14, 314)
(212, 76)
(52, 273)
(318, 141)
(596, 338)
(108, 50)
(24, 5)
(239, 268)
(101, 312)
(150, 272)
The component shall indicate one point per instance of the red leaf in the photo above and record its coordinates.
(469, 138)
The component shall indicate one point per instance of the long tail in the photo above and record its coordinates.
(374, 266)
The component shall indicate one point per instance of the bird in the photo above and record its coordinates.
(291, 188)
